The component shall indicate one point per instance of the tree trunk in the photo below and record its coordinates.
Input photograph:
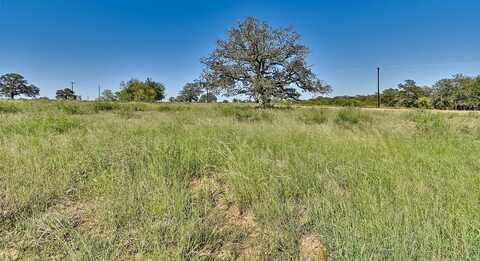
(12, 95)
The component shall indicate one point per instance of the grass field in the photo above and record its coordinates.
(89, 181)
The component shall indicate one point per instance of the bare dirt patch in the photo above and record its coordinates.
(311, 248)
(231, 217)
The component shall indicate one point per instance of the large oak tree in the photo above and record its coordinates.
(14, 84)
(261, 62)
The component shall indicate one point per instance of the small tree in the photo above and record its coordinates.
(108, 95)
(147, 91)
(190, 92)
(390, 97)
(261, 62)
(66, 94)
(14, 84)
(208, 97)
(410, 92)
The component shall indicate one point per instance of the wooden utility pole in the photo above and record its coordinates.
(378, 87)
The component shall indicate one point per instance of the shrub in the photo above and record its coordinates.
(424, 103)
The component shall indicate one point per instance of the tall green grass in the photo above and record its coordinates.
(119, 181)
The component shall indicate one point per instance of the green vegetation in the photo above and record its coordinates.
(14, 84)
(140, 91)
(458, 93)
(109, 180)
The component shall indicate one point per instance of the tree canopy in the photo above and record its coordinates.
(261, 62)
(144, 91)
(14, 84)
(108, 95)
(190, 92)
(208, 97)
(66, 94)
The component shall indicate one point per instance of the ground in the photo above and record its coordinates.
(85, 180)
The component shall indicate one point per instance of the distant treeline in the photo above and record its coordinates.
(457, 93)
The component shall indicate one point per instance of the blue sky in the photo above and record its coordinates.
(95, 42)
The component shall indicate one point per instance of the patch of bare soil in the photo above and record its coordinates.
(231, 217)
(311, 248)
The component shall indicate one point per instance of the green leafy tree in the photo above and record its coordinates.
(410, 92)
(208, 97)
(261, 62)
(144, 91)
(190, 92)
(460, 92)
(108, 95)
(14, 84)
(391, 97)
(66, 94)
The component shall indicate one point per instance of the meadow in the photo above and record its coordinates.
(123, 181)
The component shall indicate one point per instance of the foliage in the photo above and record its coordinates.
(457, 93)
(261, 62)
(190, 92)
(208, 97)
(409, 93)
(108, 95)
(344, 101)
(14, 84)
(460, 93)
(141, 91)
(424, 103)
(66, 94)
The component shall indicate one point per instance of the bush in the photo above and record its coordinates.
(424, 103)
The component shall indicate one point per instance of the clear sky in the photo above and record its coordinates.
(102, 42)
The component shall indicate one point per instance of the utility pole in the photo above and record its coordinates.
(99, 91)
(72, 83)
(378, 87)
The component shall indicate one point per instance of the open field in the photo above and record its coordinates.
(89, 181)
